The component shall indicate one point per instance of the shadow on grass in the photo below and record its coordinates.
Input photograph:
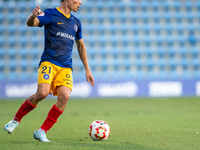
(61, 145)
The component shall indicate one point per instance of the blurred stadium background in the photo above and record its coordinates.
(135, 47)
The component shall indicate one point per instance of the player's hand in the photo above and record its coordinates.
(36, 11)
(89, 77)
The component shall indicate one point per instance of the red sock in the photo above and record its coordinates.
(25, 108)
(51, 119)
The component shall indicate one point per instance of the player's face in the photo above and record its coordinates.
(74, 4)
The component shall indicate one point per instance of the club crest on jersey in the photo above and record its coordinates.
(42, 14)
(75, 27)
(46, 76)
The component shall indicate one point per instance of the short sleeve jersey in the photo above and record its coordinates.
(60, 33)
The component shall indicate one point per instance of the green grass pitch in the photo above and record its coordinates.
(136, 124)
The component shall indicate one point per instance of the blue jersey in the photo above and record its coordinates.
(60, 33)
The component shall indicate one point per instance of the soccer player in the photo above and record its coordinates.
(55, 67)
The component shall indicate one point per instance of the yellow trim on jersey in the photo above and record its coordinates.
(63, 13)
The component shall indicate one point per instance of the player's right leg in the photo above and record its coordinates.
(10, 126)
(27, 106)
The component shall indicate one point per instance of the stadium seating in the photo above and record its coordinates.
(125, 39)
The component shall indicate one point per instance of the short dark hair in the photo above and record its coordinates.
(62, 0)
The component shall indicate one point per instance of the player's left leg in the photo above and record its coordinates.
(57, 109)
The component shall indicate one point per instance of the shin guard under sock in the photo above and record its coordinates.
(25, 108)
(51, 119)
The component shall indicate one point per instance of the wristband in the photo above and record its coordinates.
(33, 15)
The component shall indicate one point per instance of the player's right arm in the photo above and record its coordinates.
(32, 20)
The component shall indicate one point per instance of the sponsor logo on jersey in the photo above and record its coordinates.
(60, 23)
(46, 76)
(75, 27)
(65, 35)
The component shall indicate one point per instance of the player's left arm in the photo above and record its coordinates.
(83, 55)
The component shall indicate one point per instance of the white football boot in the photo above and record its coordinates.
(10, 126)
(40, 136)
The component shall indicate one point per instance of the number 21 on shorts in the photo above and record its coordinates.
(46, 70)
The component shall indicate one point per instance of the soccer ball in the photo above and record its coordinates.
(99, 130)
